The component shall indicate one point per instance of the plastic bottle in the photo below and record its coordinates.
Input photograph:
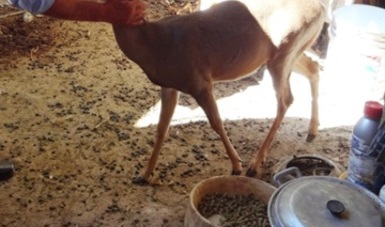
(363, 169)
(377, 147)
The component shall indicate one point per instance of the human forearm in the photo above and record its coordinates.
(77, 10)
(113, 11)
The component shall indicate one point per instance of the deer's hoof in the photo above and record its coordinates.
(251, 173)
(140, 181)
(310, 137)
(236, 172)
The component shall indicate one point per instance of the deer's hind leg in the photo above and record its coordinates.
(310, 69)
(280, 69)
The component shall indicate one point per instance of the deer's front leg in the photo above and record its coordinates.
(206, 101)
(168, 104)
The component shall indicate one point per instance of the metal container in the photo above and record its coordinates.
(318, 164)
(315, 201)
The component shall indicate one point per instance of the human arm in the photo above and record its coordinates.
(112, 11)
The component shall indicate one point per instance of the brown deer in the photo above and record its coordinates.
(226, 42)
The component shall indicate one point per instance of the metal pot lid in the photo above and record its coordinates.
(324, 201)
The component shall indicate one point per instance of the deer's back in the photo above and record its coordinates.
(225, 40)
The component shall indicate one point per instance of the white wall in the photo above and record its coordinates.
(330, 5)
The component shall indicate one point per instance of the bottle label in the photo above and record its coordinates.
(359, 144)
(364, 170)
(377, 147)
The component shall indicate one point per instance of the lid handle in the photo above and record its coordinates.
(335, 207)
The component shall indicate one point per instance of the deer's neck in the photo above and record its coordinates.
(144, 44)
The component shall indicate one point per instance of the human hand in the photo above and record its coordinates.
(129, 12)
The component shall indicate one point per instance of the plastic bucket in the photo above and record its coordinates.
(356, 53)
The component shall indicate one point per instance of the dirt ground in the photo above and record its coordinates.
(70, 103)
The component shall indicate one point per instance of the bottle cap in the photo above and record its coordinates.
(373, 110)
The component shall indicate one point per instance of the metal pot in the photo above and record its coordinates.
(323, 201)
(334, 168)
